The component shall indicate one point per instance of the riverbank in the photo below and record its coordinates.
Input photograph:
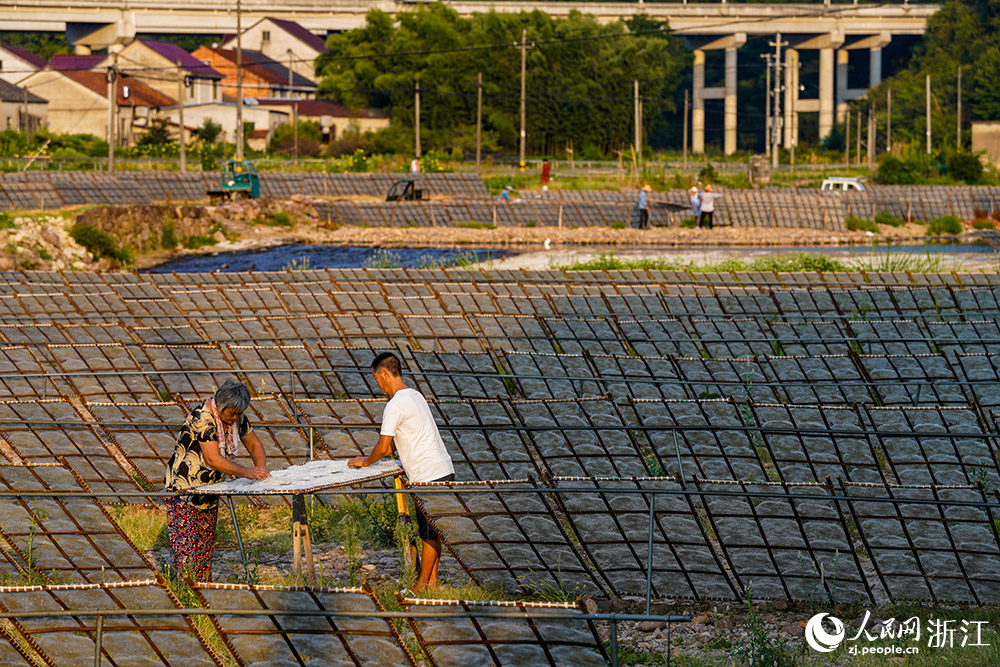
(151, 235)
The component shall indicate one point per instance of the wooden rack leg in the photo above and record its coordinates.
(300, 539)
(308, 549)
(403, 507)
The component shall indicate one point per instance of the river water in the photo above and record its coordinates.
(299, 256)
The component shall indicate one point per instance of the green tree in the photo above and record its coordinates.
(209, 131)
(157, 134)
(963, 32)
(579, 77)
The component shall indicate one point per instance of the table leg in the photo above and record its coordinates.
(410, 558)
(301, 544)
(239, 536)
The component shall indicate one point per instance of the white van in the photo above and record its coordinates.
(843, 184)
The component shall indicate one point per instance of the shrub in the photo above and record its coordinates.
(99, 243)
(689, 222)
(886, 218)
(983, 223)
(6, 220)
(168, 238)
(617, 224)
(893, 171)
(965, 167)
(708, 174)
(996, 215)
(856, 224)
(980, 214)
(946, 224)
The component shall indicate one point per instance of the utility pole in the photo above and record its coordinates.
(638, 125)
(928, 114)
(871, 138)
(958, 135)
(27, 118)
(291, 82)
(687, 113)
(524, 71)
(767, 105)
(776, 124)
(793, 120)
(857, 158)
(847, 138)
(112, 77)
(888, 120)
(416, 126)
(479, 122)
(295, 130)
(181, 139)
(239, 80)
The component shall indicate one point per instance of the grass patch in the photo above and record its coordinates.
(472, 224)
(886, 218)
(983, 224)
(168, 237)
(147, 528)
(299, 264)
(100, 244)
(889, 261)
(946, 224)
(383, 259)
(279, 219)
(630, 656)
(199, 241)
(6, 220)
(856, 224)
(802, 261)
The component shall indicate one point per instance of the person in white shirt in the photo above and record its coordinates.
(415, 165)
(407, 425)
(708, 199)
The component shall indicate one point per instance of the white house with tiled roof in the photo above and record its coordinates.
(17, 64)
(276, 37)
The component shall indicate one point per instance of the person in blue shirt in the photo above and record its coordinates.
(643, 206)
(695, 203)
(504, 195)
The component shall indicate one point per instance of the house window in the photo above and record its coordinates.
(266, 35)
(215, 89)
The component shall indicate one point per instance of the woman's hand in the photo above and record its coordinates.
(257, 472)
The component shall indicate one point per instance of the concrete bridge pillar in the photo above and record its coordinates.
(874, 43)
(825, 92)
(729, 141)
(843, 58)
(726, 92)
(698, 108)
(875, 66)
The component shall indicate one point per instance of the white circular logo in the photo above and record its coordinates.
(821, 640)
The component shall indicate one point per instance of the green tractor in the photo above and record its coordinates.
(240, 180)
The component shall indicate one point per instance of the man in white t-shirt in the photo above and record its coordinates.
(407, 425)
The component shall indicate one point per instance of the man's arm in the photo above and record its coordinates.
(210, 451)
(382, 449)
